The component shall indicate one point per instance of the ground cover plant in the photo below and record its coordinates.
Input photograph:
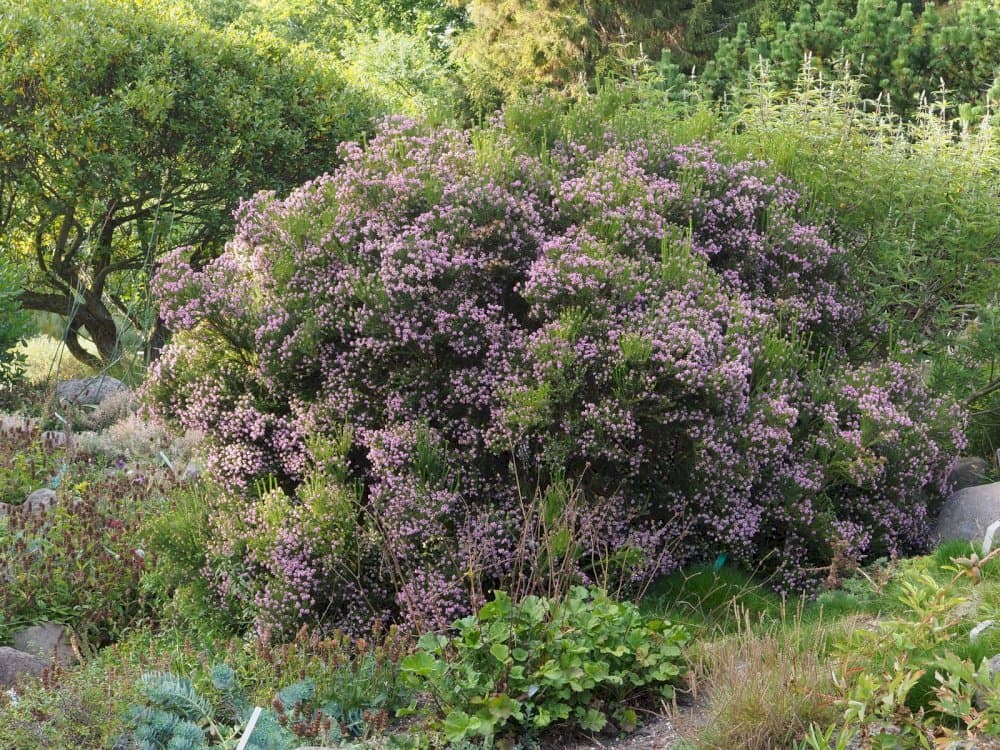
(80, 561)
(541, 661)
(415, 343)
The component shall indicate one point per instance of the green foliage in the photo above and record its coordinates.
(918, 201)
(901, 51)
(403, 71)
(79, 708)
(396, 51)
(706, 598)
(176, 538)
(519, 46)
(13, 324)
(903, 684)
(542, 661)
(176, 715)
(332, 25)
(79, 562)
(26, 465)
(128, 128)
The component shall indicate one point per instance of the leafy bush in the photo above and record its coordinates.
(141, 131)
(468, 325)
(541, 661)
(902, 684)
(13, 324)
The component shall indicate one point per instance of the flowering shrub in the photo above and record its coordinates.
(645, 320)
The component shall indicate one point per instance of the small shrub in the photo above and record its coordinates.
(176, 717)
(539, 662)
(903, 685)
(176, 537)
(359, 679)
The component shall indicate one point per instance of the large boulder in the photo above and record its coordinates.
(968, 472)
(39, 502)
(16, 664)
(968, 513)
(90, 391)
(49, 641)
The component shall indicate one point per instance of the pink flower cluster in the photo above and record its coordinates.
(662, 328)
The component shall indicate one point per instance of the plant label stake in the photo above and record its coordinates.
(249, 730)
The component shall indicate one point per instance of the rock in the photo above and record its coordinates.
(55, 439)
(89, 391)
(994, 665)
(969, 512)
(968, 472)
(191, 472)
(15, 424)
(49, 641)
(980, 629)
(39, 502)
(16, 664)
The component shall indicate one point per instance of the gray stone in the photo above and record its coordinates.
(968, 472)
(16, 664)
(89, 391)
(994, 665)
(39, 502)
(980, 629)
(969, 512)
(49, 640)
(55, 439)
(191, 472)
(15, 424)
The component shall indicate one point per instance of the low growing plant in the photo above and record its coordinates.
(176, 717)
(79, 563)
(528, 665)
(887, 696)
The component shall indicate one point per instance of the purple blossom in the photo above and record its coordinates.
(661, 329)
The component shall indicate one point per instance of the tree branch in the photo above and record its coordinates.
(983, 392)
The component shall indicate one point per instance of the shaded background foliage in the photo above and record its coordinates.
(130, 128)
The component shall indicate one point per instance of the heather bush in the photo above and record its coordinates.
(449, 324)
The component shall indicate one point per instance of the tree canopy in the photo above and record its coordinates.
(128, 127)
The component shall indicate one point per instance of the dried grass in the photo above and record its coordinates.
(765, 684)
